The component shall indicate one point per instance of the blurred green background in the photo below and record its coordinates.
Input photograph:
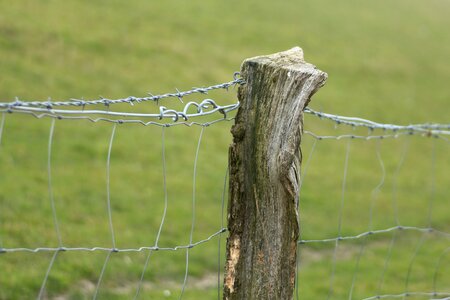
(386, 61)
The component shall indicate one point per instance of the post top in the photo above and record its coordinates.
(292, 59)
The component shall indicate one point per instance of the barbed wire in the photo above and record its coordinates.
(360, 122)
(49, 104)
(207, 107)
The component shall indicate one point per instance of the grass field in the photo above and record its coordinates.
(386, 60)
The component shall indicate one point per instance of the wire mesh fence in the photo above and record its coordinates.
(93, 204)
(380, 209)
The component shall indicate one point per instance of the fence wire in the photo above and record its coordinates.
(49, 104)
(210, 113)
(393, 236)
(191, 115)
(372, 125)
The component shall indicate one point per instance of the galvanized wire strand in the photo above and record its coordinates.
(2, 125)
(341, 209)
(358, 260)
(50, 185)
(297, 270)
(396, 218)
(302, 176)
(360, 122)
(194, 185)
(399, 167)
(150, 252)
(108, 249)
(102, 273)
(429, 217)
(126, 121)
(374, 137)
(47, 273)
(376, 232)
(412, 260)
(164, 170)
(108, 188)
(108, 202)
(141, 279)
(374, 196)
(224, 110)
(204, 108)
(222, 222)
(437, 267)
(130, 100)
(376, 191)
(209, 107)
(432, 183)
(52, 204)
(344, 186)
(333, 269)
(387, 260)
(305, 169)
(412, 294)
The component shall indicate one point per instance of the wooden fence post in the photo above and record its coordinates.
(263, 162)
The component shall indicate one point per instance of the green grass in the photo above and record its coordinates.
(386, 60)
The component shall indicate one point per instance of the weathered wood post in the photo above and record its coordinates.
(264, 159)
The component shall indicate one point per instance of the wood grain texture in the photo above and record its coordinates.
(264, 159)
